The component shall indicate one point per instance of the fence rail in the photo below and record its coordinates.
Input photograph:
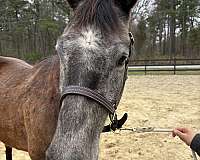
(158, 65)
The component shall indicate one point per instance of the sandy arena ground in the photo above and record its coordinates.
(150, 101)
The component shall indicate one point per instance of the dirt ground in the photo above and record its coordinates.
(150, 101)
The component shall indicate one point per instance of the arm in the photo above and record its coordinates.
(189, 137)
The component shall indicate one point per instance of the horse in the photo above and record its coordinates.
(56, 109)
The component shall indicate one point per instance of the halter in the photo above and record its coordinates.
(86, 92)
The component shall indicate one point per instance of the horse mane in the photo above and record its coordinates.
(98, 13)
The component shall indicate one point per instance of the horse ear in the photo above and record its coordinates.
(73, 3)
(126, 5)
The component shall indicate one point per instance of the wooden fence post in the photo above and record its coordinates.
(174, 66)
(145, 66)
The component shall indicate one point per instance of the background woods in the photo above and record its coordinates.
(168, 29)
(162, 29)
(29, 29)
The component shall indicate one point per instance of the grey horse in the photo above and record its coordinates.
(93, 53)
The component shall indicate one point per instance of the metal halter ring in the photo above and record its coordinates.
(131, 38)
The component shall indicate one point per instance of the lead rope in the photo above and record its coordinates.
(153, 130)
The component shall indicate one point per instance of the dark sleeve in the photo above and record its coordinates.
(195, 144)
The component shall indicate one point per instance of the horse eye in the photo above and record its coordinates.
(122, 60)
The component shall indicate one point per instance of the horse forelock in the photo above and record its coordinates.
(89, 39)
(101, 14)
(94, 22)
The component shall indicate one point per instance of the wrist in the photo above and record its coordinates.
(195, 143)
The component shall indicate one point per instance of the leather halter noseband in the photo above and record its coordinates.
(86, 92)
(77, 90)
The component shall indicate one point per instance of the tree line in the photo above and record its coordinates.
(168, 29)
(29, 29)
(162, 29)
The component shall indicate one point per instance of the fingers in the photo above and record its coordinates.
(185, 134)
(183, 130)
(180, 131)
(181, 135)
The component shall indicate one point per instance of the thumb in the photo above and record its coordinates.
(179, 134)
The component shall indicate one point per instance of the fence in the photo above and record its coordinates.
(158, 65)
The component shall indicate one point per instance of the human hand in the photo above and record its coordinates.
(185, 134)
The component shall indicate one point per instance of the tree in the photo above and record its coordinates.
(170, 27)
(29, 29)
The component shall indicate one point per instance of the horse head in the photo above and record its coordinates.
(94, 51)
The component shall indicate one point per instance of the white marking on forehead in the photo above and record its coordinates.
(89, 39)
